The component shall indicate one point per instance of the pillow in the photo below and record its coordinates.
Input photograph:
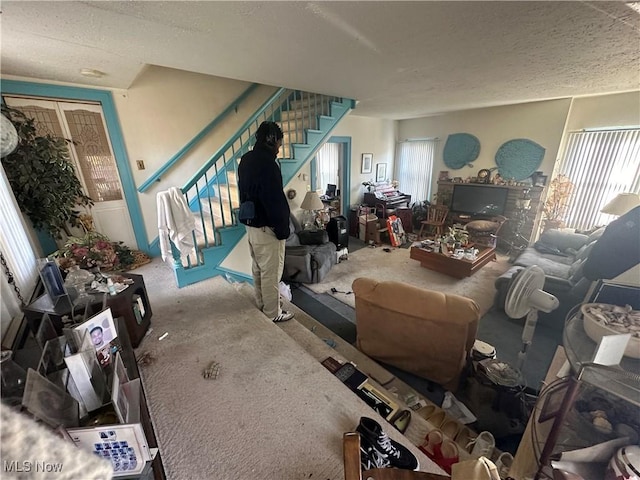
(563, 240)
(293, 240)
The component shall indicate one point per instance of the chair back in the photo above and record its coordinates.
(437, 214)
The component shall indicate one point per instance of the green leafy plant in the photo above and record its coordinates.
(42, 178)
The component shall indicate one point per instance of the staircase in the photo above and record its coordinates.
(306, 119)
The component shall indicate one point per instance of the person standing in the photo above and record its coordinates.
(260, 182)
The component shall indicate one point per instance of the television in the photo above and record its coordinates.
(479, 200)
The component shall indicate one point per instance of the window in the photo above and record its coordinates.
(328, 165)
(413, 168)
(601, 164)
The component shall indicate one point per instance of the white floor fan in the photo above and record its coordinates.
(526, 297)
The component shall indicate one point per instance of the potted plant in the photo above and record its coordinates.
(457, 237)
(43, 178)
(556, 204)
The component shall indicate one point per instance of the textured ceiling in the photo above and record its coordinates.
(398, 59)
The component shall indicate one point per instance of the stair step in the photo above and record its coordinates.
(288, 126)
(311, 101)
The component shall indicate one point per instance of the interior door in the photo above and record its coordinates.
(92, 155)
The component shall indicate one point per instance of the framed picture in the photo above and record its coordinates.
(381, 172)
(541, 180)
(444, 176)
(367, 162)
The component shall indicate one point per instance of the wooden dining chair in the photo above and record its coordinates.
(351, 454)
(436, 218)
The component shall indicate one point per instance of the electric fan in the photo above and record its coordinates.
(526, 297)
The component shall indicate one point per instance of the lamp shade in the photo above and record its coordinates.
(312, 202)
(621, 204)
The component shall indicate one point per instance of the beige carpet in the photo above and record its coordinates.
(396, 265)
(274, 412)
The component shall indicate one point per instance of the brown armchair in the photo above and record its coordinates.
(427, 333)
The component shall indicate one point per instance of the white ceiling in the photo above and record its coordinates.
(398, 59)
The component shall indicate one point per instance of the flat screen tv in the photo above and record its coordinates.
(479, 200)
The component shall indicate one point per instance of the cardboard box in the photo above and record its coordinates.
(367, 225)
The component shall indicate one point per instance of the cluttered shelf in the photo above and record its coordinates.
(78, 375)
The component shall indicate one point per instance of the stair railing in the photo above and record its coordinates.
(212, 191)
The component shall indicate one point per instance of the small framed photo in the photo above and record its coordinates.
(444, 176)
(381, 172)
(367, 163)
(541, 180)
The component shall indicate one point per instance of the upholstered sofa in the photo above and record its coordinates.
(308, 256)
(427, 333)
(561, 255)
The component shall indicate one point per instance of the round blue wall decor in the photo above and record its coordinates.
(460, 150)
(519, 158)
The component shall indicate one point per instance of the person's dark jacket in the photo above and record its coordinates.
(260, 180)
(617, 250)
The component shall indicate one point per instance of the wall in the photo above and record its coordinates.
(542, 122)
(163, 110)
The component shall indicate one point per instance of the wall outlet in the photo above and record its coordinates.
(140, 164)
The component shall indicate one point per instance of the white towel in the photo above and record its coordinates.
(175, 223)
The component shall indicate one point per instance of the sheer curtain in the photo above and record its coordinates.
(328, 163)
(414, 167)
(601, 164)
(18, 252)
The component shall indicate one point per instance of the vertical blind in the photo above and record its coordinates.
(414, 166)
(17, 251)
(601, 164)
(328, 164)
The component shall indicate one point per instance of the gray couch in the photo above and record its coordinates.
(308, 256)
(561, 255)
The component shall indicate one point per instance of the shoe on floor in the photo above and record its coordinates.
(401, 420)
(482, 445)
(370, 457)
(371, 433)
(503, 464)
(283, 317)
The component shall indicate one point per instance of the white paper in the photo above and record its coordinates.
(611, 349)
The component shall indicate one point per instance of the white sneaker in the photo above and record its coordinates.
(482, 445)
(503, 464)
(283, 317)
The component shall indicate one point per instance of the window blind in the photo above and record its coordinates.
(18, 253)
(601, 164)
(414, 167)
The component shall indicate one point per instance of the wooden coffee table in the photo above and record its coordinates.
(458, 268)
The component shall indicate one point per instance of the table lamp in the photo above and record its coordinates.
(311, 204)
(621, 204)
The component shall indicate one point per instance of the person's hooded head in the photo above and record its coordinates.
(269, 135)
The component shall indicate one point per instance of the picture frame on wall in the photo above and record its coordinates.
(541, 180)
(367, 163)
(381, 172)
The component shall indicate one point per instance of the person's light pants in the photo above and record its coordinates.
(267, 253)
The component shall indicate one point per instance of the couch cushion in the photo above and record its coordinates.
(563, 240)
(584, 251)
(551, 264)
(293, 240)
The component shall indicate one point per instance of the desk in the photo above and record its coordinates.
(123, 304)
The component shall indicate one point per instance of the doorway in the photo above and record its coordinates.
(332, 167)
(92, 155)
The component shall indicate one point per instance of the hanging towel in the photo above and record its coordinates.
(175, 223)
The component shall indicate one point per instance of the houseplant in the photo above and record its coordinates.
(43, 178)
(557, 202)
